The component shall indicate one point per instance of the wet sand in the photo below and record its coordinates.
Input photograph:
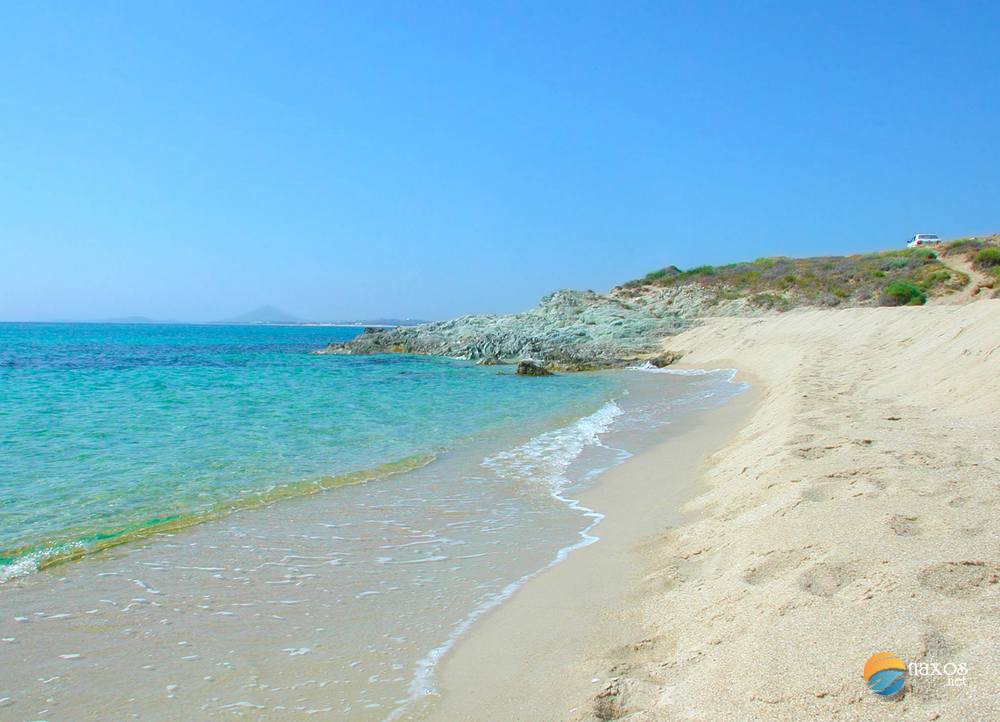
(546, 650)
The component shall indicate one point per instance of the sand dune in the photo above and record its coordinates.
(856, 512)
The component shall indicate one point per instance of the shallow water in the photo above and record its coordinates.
(341, 603)
(111, 431)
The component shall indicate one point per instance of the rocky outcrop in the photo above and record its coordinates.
(531, 368)
(665, 359)
(568, 330)
(581, 330)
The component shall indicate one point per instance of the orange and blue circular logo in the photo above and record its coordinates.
(885, 673)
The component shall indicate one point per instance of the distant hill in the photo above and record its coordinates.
(264, 314)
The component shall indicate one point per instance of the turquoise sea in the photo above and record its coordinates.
(226, 521)
(110, 432)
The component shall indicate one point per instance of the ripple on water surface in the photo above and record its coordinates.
(341, 603)
(111, 432)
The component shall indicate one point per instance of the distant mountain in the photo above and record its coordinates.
(264, 314)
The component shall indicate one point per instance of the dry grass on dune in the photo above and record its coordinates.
(907, 276)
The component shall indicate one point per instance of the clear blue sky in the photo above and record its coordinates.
(194, 160)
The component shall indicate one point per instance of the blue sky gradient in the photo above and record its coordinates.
(339, 160)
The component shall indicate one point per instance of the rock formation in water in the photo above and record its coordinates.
(568, 330)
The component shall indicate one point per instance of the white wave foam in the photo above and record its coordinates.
(33, 561)
(727, 374)
(27, 564)
(544, 458)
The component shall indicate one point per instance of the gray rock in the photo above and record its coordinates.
(665, 359)
(568, 330)
(531, 368)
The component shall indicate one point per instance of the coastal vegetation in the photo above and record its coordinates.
(903, 293)
(988, 258)
(981, 256)
(581, 330)
(905, 276)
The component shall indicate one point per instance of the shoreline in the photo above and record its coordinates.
(558, 614)
(18, 563)
(844, 502)
(853, 512)
(225, 612)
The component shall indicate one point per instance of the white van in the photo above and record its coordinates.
(923, 239)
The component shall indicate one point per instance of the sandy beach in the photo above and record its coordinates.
(500, 362)
(853, 512)
(549, 647)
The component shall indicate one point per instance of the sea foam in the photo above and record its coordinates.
(544, 459)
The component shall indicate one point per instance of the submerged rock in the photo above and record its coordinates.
(531, 368)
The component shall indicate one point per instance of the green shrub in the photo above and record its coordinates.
(701, 271)
(935, 277)
(988, 258)
(770, 301)
(892, 264)
(746, 278)
(903, 293)
(662, 277)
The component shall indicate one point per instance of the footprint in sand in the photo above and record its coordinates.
(818, 492)
(938, 646)
(647, 650)
(778, 563)
(904, 525)
(960, 579)
(826, 579)
(814, 452)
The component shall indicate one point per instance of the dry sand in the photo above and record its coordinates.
(856, 511)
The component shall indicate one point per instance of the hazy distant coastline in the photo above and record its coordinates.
(262, 316)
